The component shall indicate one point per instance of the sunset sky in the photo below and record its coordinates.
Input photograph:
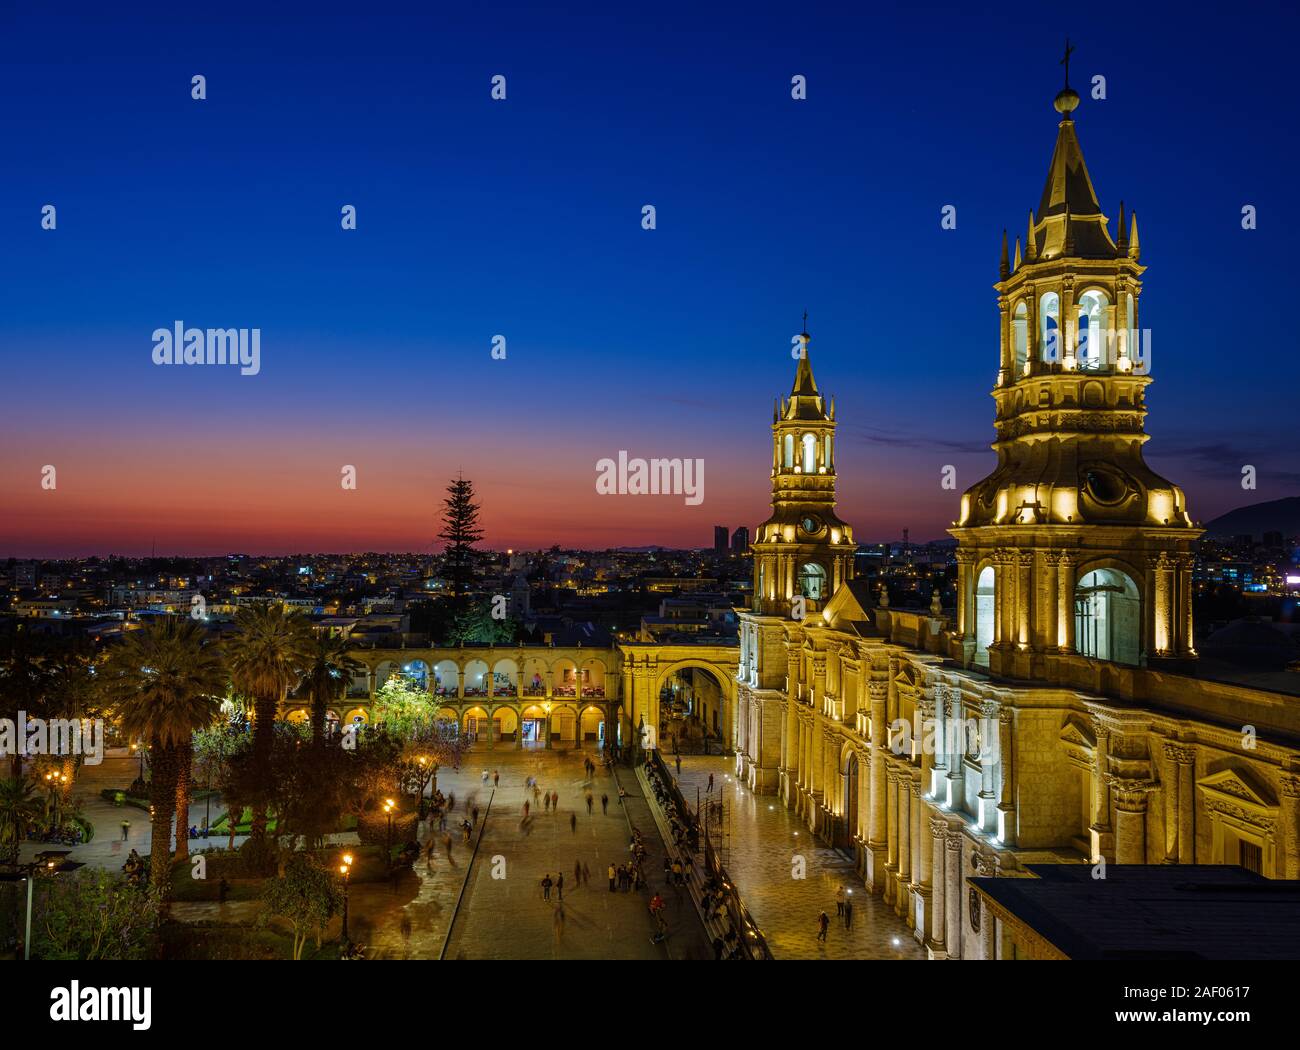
(522, 218)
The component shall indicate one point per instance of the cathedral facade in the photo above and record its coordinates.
(1055, 715)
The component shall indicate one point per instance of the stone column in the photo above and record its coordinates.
(904, 791)
(986, 868)
(1186, 805)
(1065, 602)
(1051, 606)
(914, 842)
(1130, 819)
(891, 862)
(1006, 784)
(988, 797)
(876, 830)
(1101, 830)
(924, 871)
(954, 751)
(1185, 637)
(1290, 823)
(938, 909)
(1023, 601)
(953, 896)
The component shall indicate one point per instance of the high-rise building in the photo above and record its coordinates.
(720, 540)
(740, 540)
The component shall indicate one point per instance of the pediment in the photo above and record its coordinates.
(1077, 733)
(1241, 785)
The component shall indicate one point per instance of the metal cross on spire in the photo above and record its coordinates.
(805, 322)
(1066, 60)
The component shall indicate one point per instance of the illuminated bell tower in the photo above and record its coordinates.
(803, 549)
(1073, 546)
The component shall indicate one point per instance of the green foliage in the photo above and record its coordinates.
(306, 895)
(460, 533)
(93, 915)
(20, 811)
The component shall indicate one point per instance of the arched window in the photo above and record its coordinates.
(826, 456)
(809, 443)
(1049, 335)
(789, 451)
(1020, 337)
(1107, 620)
(985, 609)
(1092, 325)
(812, 581)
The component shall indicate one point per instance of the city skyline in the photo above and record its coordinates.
(396, 377)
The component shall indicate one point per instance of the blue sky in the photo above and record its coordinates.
(522, 218)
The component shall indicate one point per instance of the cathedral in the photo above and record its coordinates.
(1054, 716)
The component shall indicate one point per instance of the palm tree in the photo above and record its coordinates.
(23, 683)
(267, 656)
(164, 682)
(326, 679)
(19, 812)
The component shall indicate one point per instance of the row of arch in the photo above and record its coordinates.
(1107, 616)
(504, 677)
(1092, 319)
(806, 455)
(540, 725)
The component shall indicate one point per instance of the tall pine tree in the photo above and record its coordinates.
(460, 532)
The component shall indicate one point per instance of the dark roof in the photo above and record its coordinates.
(1154, 911)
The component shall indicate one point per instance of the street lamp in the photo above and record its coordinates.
(139, 748)
(345, 869)
(51, 863)
(388, 812)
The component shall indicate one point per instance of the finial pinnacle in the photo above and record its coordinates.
(805, 324)
(1067, 99)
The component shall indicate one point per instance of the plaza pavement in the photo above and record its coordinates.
(763, 838)
(507, 918)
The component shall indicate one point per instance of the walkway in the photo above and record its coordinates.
(764, 840)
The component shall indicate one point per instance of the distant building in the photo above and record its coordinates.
(740, 540)
(25, 574)
(720, 539)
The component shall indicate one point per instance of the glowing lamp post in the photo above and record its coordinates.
(345, 869)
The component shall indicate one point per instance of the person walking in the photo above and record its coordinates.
(839, 901)
(559, 885)
(555, 801)
(848, 914)
(577, 873)
(586, 874)
(573, 823)
(589, 802)
(604, 804)
(679, 765)
(546, 886)
(612, 876)
(548, 802)
(710, 789)
(126, 829)
(823, 924)
(496, 778)
(526, 808)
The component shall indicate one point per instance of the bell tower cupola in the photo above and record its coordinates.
(803, 550)
(1073, 546)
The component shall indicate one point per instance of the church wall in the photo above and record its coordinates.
(1048, 788)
